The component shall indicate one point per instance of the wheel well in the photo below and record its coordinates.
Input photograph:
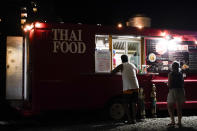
(111, 100)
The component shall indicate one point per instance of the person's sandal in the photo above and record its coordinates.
(171, 124)
(179, 125)
(130, 122)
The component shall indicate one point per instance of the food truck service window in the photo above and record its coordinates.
(128, 45)
(160, 53)
(110, 48)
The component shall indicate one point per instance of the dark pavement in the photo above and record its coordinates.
(10, 120)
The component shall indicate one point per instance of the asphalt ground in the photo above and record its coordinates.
(11, 120)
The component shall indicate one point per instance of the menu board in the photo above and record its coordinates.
(102, 61)
(193, 57)
(161, 53)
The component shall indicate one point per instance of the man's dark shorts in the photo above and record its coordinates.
(130, 98)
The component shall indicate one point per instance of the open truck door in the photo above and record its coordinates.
(14, 70)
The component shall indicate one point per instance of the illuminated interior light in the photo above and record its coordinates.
(138, 37)
(163, 34)
(168, 37)
(162, 46)
(172, 46)
(178, 39)
(196, 42)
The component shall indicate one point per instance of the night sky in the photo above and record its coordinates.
(164, 14)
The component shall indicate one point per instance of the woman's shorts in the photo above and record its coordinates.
(176, 95)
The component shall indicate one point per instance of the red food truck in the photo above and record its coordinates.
(67, 66)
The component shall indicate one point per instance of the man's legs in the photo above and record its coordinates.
(130, 108)
(134, 111)
(127, 111)
(133, 104)
(126, 98)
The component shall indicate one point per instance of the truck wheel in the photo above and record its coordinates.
(116, 110)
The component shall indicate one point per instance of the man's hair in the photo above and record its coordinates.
(124, 58)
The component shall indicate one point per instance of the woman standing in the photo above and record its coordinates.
(176, 93)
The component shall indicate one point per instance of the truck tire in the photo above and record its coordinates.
(116, 110)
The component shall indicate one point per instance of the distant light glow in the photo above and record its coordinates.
(38, 25)
(24, 8)
(140, 22)
(28, 27)
(35, 9)
(140, 26)
(23, 15)
(119, 25)
(23, 21)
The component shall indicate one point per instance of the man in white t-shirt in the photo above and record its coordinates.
(130, 87)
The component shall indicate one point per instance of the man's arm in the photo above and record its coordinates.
(136, 69)
(117, 69)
